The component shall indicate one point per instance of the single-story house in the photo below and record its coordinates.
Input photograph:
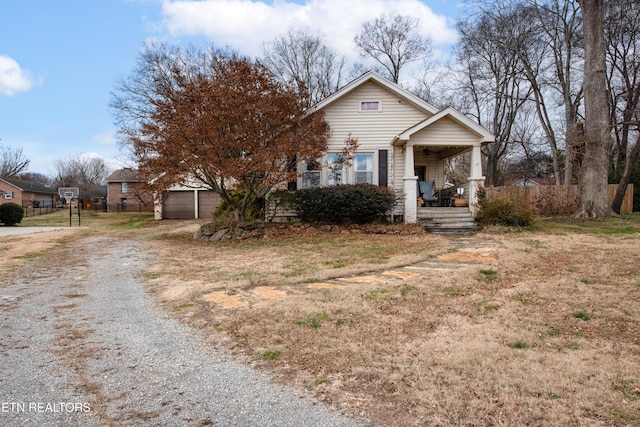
(403, 141)
(26, 193)
(124, 192)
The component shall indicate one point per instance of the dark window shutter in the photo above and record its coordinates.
(383, 168)
(293, 164)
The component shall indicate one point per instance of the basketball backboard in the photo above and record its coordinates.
(68, 193)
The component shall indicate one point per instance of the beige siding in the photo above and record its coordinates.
(445, 132)
(374, 130)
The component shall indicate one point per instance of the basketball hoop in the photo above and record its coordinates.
(68, 197)
(69, 194)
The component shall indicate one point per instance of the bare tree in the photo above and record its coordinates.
(392, 41)
(88, 173)
(546, 37)
(431, 85)
(302, 58)
(594, 200)
(526, 40)
(561, 22)
(36, 177)
(12, 161)
(622, 30)
(493, 82)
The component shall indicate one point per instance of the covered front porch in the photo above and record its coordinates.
(424, 150)
(428, 185)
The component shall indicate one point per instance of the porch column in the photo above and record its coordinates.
(476, 180)
(410, 185)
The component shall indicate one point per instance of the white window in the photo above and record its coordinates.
(336, 170)
(363, 168)
(124, 187)
(311, 174)
(371, 105)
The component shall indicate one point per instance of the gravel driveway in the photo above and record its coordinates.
(82, 344)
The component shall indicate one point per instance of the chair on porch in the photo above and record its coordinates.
(427, 191)
(446, 197)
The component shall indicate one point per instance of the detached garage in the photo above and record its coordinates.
(187, 203)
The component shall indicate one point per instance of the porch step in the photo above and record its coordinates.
(447, 220)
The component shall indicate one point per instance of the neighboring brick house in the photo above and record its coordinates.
(124, 192)
(26, 193)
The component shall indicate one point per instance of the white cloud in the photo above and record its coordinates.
(13, 78)
(245, 25)
(105, 138)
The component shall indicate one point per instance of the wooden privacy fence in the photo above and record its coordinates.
(553, 199)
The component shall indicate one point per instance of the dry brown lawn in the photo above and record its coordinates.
(15, 250)
(528, 328)
(537, 327)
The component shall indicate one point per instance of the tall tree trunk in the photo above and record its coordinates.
(491, 168)
(594, 199)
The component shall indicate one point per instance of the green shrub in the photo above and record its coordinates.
(11, 213)
(284, 198)
(502, 211)
(224, 210)
(343, 204)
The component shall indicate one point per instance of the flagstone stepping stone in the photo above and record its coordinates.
(269, 292)
(225, 301)
(324, 285)
(401, 274)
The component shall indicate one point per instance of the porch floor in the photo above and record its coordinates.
(447, 220)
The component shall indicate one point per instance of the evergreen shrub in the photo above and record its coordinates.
(255, 211)
(345, 204)
(11, 213)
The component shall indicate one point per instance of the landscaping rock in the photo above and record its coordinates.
(268, 230)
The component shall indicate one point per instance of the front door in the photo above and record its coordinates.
(420, 172)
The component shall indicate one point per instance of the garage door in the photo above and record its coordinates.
(178, 205)
(208, 201)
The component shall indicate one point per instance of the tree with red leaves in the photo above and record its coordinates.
(216, 118)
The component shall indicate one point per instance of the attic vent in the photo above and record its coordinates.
(370, 106)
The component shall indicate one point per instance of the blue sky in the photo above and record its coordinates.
(60, 60)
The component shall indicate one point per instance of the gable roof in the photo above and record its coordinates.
(456, 116)
(123, 175)
(370, 76)
(528, 182)
(31, 186)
